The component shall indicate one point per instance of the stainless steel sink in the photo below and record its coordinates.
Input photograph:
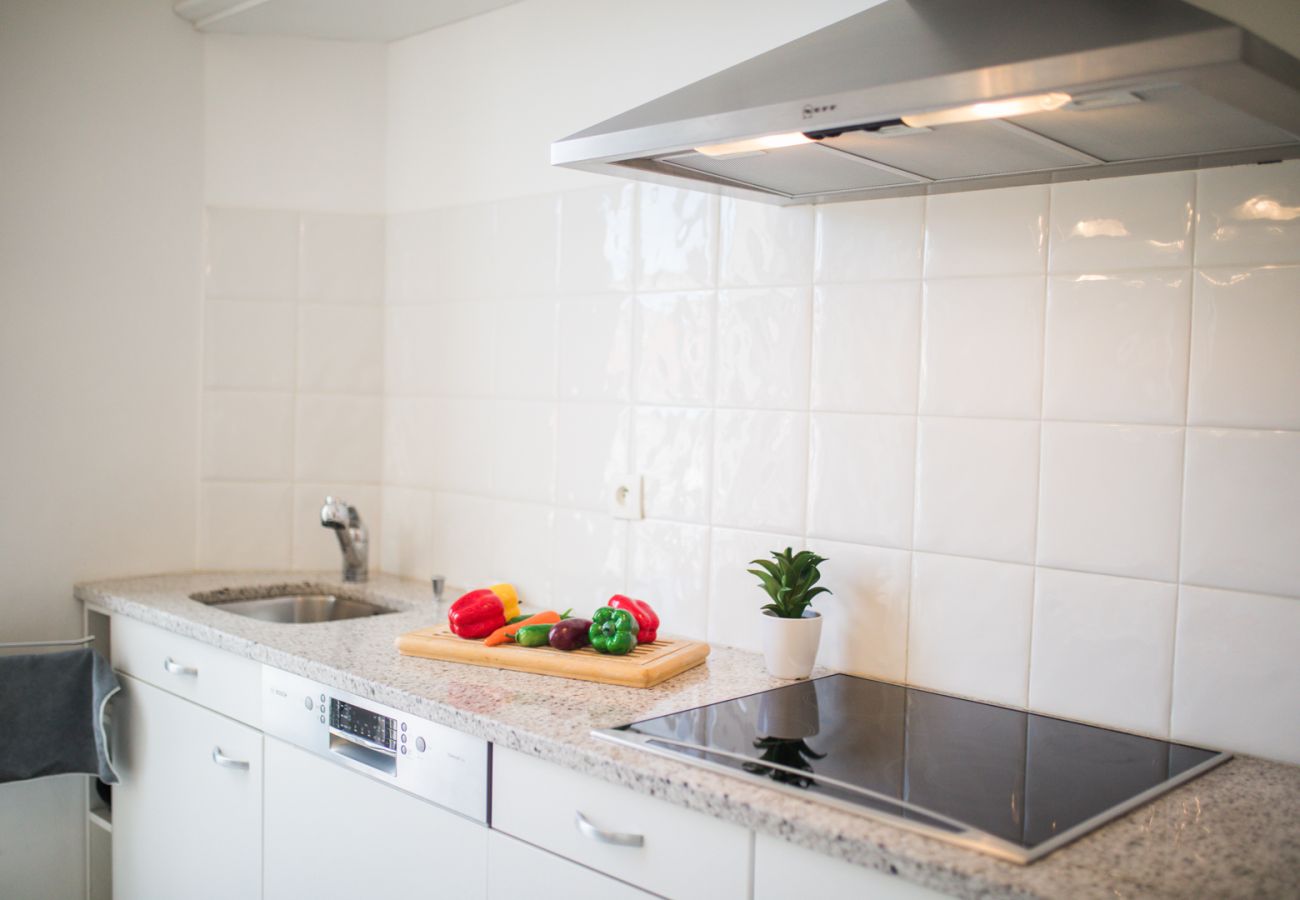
(295, 609)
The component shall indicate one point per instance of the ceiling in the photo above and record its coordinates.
(338, 20)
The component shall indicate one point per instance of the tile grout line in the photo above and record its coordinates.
(916, 442)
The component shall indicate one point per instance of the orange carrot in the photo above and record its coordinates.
(506, 632)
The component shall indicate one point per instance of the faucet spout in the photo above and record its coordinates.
(354, 539)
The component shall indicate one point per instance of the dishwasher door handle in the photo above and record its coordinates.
(618, 838)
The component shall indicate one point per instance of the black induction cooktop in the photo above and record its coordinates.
(1011, 783)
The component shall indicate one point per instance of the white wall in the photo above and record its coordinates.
(100, 234)
(1053, 464)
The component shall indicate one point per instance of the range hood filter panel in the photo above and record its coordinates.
(795, 171)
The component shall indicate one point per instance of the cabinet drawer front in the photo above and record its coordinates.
(516, 870)
(650, 843)
(182, 666)
(783, 870)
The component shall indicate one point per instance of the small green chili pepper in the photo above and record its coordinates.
(533, 635)
(613, 631)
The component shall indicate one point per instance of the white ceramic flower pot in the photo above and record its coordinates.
(790, 645)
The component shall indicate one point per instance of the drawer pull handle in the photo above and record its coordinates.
(618, 838)
(176, 668)
(228, 762)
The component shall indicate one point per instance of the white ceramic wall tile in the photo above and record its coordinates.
(340, 348)
(406, 532)
(410, 351)
(526, 235)
(595, 252)
(245, 526)
(993, 232)
(982, 347)
(1103, 650)
(410, 429)
(595, 347)
(1246, 348)
(977, 488)
(248, 345)
(870, 240)
(592, 448)
(1117, 347)
(316, 548)
(865, 632)
(342, 258)
(759, 469)
(247, 436)
(678, 237)
(523, 450)
(522, 536)
(468, 252)
(524, 344)
(674, 348)
(763, 347)
(672, 456)
(460, 462)
(1241, 510)
(1248, 215)
(1110, 498)
(463, 532)
(969, 627)
(338, 438)
(860, 471)
(413, 255)
(865, 346)
(668, 567)
(252, 254)
(463, 348)
(1122, 223)
(1237, 673)
(590, 558)
(736, 598)
(762, 244)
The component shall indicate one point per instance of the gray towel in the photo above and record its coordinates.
(52, 714)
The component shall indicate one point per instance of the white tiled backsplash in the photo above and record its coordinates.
(1049, 438)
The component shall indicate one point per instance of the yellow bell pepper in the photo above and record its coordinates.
(509, 599)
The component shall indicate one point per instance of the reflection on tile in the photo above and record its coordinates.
(668, 568)
(595, 347)
(678, 236)
(866, 612)
(860, 471)
(672, 456)
(1246, 348)
(1122, 223)
(759, 464)
(763, 346)
(865, 345)
(954, 599)
(1241, 510)
(1237, 673)
(762, 244)
(1248, 215)
(1117, 348)
(982, 347)
(993, 232)
(1080, 619)
(596, 239)
(1110, 498)
(870, 240)
(674, 347)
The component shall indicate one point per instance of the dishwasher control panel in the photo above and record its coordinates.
(431, 761)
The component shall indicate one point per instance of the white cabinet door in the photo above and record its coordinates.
(187, 815)
(334, 834)
(517, 870)
(782, 870)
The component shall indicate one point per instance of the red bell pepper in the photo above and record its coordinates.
(476, 614)
(647, 619)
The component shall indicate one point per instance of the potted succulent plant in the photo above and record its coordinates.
(791, 631)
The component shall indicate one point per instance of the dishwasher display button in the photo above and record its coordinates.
(306, 701)
(420, 744)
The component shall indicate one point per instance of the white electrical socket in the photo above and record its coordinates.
(626, 497)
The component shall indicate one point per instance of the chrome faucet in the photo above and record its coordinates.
(354, 540)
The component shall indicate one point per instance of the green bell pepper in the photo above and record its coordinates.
(613, 631)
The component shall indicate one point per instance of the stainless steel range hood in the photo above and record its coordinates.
(928, 96)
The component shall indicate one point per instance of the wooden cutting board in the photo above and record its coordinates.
(646, 666)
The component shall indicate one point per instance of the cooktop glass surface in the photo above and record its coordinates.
(941, 764)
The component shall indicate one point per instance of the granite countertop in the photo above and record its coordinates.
(1234, 831)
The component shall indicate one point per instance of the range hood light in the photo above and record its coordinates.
(754, 145)
(993, 109)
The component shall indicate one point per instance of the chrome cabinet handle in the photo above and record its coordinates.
(228, 762)
(176, 668)
(618, 838)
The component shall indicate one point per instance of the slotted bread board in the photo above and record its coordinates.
(646, 666)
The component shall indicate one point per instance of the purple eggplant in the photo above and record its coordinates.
(570, 634)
